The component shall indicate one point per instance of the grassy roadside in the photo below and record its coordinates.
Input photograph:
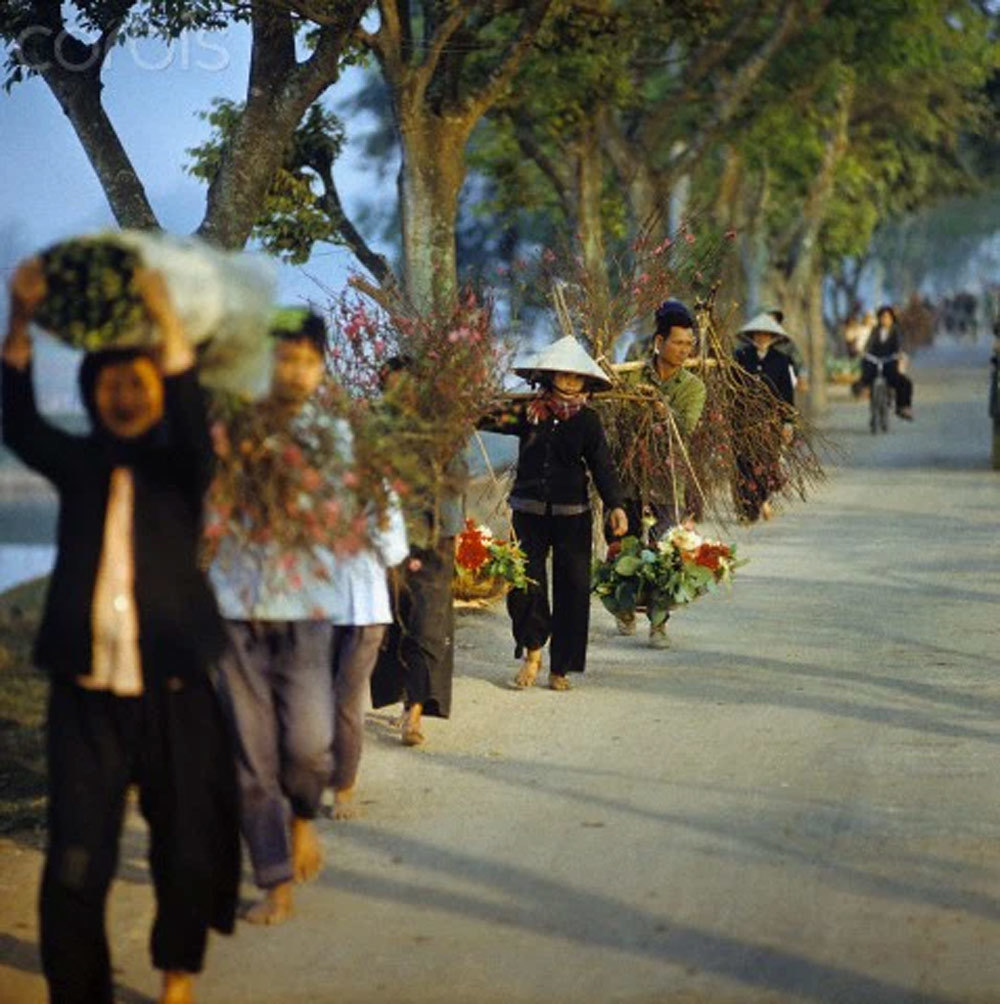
(22, 712)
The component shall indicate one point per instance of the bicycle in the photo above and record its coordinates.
(879, 395)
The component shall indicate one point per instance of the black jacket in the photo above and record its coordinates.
(892, 345)
(180, 630)
(554, 457)
(775, 369)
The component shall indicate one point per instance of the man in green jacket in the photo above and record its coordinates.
(683, 392)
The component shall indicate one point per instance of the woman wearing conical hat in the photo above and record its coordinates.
(758, 355)
(562, 447)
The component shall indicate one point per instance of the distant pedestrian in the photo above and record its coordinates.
(361, 612)
(417, 660)
(759, 477)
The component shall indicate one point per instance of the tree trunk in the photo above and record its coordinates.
(431, 174)
(731, 214)
(590, 230)
(818, 399)
(279, 92)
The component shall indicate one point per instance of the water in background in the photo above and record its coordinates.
(28, 511)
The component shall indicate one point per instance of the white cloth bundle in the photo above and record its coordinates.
(224, 300)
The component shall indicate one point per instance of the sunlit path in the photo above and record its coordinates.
(799, 801)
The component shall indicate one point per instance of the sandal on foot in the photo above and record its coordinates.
(529, 669)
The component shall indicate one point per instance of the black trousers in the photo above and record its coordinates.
(417, 660)
(567, 620)
(901, 384)
(175, 746)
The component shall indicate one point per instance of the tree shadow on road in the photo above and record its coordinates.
(533, 901)
(711, 684)
(765, 837)
(18, 953)
(23, 955)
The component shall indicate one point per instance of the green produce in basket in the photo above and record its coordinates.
(92, 302)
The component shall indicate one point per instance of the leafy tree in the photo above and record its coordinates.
(443, 65)
(67, 45)
(618, 103)
(858, 122)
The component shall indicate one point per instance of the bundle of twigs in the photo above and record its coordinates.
(417, 384)
(744, 428)
(745, 425)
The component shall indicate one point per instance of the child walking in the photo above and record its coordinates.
(129, 637)
(561, 443)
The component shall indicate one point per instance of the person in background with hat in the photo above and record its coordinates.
(790, 348)
(683, 393)
(129, 638)
(760, 357)
(884, 341)
(561, 442)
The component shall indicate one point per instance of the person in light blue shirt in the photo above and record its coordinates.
(292, 619)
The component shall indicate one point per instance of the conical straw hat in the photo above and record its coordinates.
(566, 355)
(764, 322)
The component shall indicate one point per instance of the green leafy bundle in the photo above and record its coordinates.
(92, 302)
(678, 569)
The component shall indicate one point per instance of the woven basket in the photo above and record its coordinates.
(469, 586)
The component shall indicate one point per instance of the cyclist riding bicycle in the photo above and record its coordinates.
(885, 342)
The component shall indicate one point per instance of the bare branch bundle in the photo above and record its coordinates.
(418, 384)
(742, 433)
(745, 424)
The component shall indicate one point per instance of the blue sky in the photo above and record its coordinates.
(153, 93)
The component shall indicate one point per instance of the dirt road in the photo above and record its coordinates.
(800, 801)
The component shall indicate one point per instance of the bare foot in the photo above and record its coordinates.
(178, 988)
(274, 908)
(307, 852)
(343, 804)
(411, 734)
(766, 512)
(529, 669)
(557, 682)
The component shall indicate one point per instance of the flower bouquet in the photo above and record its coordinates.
(290, 486)
(678, 569)
(224, 301)
(486, 567)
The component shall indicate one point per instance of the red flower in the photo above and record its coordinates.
(311, 479)
(292, 455)
(471, 552)
(709, 555)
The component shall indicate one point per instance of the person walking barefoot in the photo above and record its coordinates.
(276, 669)
(562, 447)
(129, 637)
